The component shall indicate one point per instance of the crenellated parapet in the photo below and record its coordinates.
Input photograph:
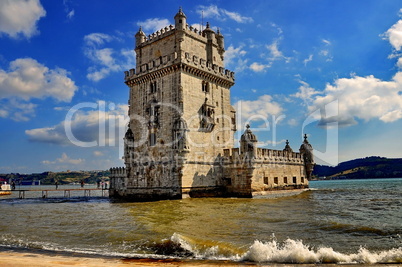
(190, 31)
(162, 33)
(189, 62)
(233, 155)
(118, 172)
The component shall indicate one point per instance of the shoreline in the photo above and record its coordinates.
(32, 258)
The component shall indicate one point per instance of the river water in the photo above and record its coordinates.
(349, 221)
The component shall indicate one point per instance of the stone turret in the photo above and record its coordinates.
(248, 143)
(221, 43)
(208, 32)
(306, 149)
(180, 20)
(140, 37)
(288, 148)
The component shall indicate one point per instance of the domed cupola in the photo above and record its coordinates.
(180, 20)
(140, 37)
(248, 135)
(247, 141)
(288, 148)
(306, 146)
(306, 149)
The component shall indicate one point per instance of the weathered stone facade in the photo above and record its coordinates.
(180, 136)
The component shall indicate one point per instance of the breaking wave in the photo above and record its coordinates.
(181, 247)
(289, 251)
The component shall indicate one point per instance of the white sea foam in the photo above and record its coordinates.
(289, 251)
(294, 251)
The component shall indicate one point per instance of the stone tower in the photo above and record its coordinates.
(180, 114)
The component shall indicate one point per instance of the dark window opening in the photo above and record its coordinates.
(152, 139)
(205, 87)
(294, 180)
(152, 88)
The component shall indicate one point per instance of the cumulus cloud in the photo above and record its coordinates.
(394, 35)
(154, 24)
(364, 98)
(89, 124)
(26, 78)
(17, 110)
(64, 160)
(360, 98)
(306, 93)
(105, 60)
(234, 58)
(213, 11)
(18, 18)
(261, 109)
(257, 67)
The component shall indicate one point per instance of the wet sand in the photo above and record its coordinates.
(31, 259)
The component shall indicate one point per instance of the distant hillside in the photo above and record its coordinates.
(89, 177)
(370, 167)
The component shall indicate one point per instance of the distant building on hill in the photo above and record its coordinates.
(179, 140)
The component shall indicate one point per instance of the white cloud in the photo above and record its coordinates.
(327, 42)
(17, 110)
(234, 58)
(19, 17)
(71, 14)
(275, 53)
(86, 126)
(257, 67)
(364, 98)
(154, 24)
(105, 60)
(69, 11)
(97, 38)
(64, 160)
(307, 60)
(213, 11)
(306, 93)
(27, 78)
(394, 35)
(257, 110)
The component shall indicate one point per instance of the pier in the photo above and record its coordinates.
(46, 193)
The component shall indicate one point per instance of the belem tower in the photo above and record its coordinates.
(180, 137)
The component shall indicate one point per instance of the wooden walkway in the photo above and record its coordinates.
(67, 192)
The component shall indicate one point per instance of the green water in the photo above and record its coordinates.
(356, 217)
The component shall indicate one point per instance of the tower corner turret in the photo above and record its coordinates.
(180, 20)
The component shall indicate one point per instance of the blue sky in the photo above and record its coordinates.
(331, 69)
